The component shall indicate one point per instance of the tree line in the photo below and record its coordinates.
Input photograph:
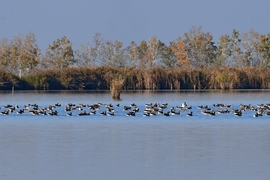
(98, 62)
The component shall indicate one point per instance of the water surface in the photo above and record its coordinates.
(120, 147)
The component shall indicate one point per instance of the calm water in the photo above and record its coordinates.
(120, 147)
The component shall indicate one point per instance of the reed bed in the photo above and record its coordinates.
(104, 78)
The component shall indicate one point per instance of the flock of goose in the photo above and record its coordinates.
(151, 109)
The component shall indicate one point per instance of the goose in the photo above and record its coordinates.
(103, 113)
(131, 113)
(109, 105)
(53, 113)
(146, 114)
(153, 113)
(110, 114)
(58, 105)
(7, 106)
(257, 114)
(67, 108)
(200, 107)
(175, 113)
(20, 111)
(136, 109)
(127, 108)
(184, 104)
(238, 113)
(190, 114)
(164, 106)
(133, 104)
(5, 112)
(92, 112)
(160, 111)
(109, 109)
(212, 113)
(83, 114)
(222, 111)
(166, 114)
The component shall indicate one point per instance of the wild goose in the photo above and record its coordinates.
(190, 114)
(131, 113)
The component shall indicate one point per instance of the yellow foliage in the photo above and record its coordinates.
(180, 51)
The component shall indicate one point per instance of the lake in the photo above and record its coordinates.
(158, 147)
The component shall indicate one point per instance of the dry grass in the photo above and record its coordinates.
(116, 79)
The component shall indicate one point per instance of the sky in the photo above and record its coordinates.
(129, 20)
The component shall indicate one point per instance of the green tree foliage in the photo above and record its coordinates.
(264, 49)
(59, 55)
(168, 56)
(223, 51)
(235, 54)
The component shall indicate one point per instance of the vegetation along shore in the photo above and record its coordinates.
(192, 61)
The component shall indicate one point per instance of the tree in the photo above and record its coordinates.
(90, 55)
(201, 49)
(264, 48)
(236, 54)
(229, 51)
(15, 48)
(223, 51)
(59, 55)
(168, 56)
(140, 53)
(180, 51)
(102, 53)
(5, 55)
(113, 54)
(148, 53)
(30, 53)
(154, 52)
(250, 42)
(132, 54)
(21, 55)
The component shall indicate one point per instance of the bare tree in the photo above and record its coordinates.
(90, 55)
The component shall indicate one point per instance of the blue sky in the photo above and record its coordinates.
(129, 20)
